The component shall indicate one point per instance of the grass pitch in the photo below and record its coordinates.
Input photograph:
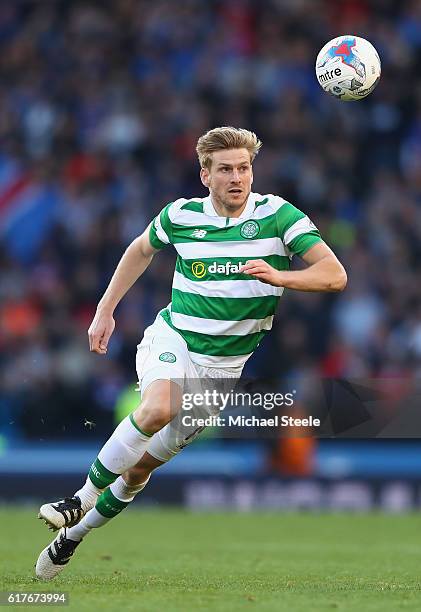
(179, 561)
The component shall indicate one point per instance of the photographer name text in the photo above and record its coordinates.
(189, 420)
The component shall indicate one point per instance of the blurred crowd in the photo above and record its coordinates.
(101, 106)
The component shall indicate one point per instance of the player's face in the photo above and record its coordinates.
(229, 179)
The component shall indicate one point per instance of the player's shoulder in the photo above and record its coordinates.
(269, 204)
(183, 206)
(286, 214)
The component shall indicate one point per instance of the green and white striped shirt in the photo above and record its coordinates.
(222, 314)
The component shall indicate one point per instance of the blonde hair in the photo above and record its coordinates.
(226, 137)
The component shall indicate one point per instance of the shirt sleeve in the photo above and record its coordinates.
(160, 233)
(296, 230)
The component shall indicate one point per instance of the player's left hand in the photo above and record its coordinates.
(261, 270)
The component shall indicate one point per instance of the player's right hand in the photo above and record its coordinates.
(100, 332)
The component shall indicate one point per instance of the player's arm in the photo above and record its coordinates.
(324, 271)
(134, 262)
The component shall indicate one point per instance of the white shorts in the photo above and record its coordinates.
(163, 355)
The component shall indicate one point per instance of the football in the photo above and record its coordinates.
(348, 67)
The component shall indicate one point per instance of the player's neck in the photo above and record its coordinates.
(227, 211)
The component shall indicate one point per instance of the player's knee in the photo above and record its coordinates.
(153, 414)
(153, 420)
(158, 407)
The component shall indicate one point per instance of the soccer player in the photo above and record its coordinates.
(234, 249)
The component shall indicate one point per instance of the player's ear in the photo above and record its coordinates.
(204, 177)
(251, 175)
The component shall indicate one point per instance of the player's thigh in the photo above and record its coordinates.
(190, 421)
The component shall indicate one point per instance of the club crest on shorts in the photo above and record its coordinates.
(250, 229)
(167, 357)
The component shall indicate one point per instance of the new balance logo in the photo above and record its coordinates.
(198, 233)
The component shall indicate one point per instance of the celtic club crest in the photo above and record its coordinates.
(168, 357)
(250, 229)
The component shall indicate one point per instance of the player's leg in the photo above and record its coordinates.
(117, 497)
(123, 449)
(161, 357)
(164, 444)
(111, 502)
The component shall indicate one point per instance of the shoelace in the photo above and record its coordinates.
(70, 514)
